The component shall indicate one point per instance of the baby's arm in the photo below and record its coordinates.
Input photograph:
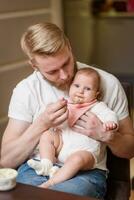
(106, 115)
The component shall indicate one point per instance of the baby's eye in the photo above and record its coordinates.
(87, 88)
(76, 85)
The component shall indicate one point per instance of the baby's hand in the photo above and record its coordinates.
(108, 126)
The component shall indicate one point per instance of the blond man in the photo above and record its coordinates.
(51, 57)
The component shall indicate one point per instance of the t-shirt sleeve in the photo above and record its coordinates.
(120, 102)
(20, 106)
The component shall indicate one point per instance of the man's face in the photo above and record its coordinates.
(58, 69)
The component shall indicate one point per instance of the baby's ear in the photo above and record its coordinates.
(99, 95)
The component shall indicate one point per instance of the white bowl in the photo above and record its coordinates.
(7, 178)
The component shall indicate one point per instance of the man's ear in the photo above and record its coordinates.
(32, 64)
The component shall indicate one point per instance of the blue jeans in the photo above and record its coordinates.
(90, 183)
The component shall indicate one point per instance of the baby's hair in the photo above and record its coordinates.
(90, 71)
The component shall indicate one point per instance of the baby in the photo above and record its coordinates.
(63, 145)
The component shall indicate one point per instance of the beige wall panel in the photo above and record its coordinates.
(15, 17)
(114, 47)
(10, 33)
(17, 5)
(79, 28)
(8, 80)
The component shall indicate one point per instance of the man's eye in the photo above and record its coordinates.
(53, 72)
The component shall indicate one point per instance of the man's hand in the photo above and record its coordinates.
(89, 124)
(54, 115)
(28, 135)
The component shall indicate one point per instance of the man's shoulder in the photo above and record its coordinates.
(29, 80)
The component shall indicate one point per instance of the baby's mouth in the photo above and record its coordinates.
(78, 99)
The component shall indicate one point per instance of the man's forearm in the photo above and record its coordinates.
(16, 151)
(122, 145)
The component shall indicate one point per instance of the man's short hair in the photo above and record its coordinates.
(43, 39)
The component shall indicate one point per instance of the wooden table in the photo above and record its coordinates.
(27, 192)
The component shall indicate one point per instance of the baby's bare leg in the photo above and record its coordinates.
(49, 143)
(80, 160)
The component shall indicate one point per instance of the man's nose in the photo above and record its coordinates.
(63, 74)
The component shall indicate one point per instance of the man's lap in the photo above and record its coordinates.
(87, 183)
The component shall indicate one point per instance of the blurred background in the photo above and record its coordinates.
(100, 31)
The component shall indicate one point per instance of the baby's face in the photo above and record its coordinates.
(83, 89)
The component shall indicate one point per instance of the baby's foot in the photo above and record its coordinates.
(41, 167)
(36, 165)
(53, 171)
(47, 184)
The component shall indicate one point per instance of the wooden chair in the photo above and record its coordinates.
(119, 168)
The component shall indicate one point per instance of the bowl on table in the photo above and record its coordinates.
(7, 178)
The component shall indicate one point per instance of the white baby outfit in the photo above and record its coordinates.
(73, 141)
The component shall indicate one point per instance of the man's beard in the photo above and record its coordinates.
(61, 86)
(64, 85)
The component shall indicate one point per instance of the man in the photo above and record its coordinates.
(37, 104)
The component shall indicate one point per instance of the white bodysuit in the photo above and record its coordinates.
(73, 141)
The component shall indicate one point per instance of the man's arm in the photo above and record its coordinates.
(121, 143)
(20, 137)
(19, 140)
